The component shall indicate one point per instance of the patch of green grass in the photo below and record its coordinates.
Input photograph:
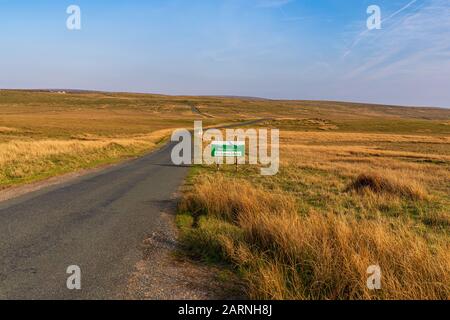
(201, 237)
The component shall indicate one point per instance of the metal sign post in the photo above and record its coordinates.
(228, 149)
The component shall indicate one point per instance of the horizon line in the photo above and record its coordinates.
(231, 96)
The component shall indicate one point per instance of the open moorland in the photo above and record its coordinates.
(359, 185)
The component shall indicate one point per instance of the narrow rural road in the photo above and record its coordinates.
(96, 222)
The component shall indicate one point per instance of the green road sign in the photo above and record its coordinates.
(228, 149)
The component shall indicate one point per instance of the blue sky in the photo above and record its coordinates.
(293, 49)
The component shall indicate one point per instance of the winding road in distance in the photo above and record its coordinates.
(97, 222)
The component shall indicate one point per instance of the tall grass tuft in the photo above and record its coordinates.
(285, 255)
(389, 185)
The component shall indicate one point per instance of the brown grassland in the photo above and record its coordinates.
(312, 231)
(359, 185)
(342, 201)
(43, 134)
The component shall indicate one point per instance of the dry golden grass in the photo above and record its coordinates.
(374, 182)
(327, 256)
(43, 134)
(340, 203)
(29, 150)
(27, 160)
(284, 255)
(8, 130)
(224, 199)
(382, 154)
(342, 137)
(358, 185)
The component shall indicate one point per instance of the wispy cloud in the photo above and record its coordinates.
(361, 35)
(417, 39)
(272, 3)
(406, 62)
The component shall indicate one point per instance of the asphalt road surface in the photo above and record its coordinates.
(96, 222)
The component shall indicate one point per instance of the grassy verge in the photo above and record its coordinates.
(23, 162)
(342, 202)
